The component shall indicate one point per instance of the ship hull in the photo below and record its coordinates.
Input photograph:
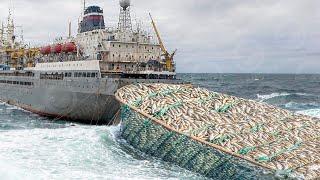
(84, 108)
(89, 101)
(69, 104)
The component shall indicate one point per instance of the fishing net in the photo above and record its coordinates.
(157, 141)
(217, 135)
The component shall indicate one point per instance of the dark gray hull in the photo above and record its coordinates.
(88, 101)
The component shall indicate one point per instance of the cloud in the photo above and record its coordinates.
(269, 36)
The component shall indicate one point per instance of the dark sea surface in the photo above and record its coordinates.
(34, 147)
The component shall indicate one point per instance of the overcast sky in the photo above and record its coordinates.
(216, 36)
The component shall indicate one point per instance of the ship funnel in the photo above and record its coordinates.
(93, 19)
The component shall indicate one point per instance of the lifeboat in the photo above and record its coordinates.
(69, 47)
(45, 50)
(56, 49)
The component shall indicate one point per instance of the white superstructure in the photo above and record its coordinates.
(116, 46)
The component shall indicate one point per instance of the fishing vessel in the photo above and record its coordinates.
(75, 78)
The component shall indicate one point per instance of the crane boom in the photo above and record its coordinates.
(158, 36)
(168, 57)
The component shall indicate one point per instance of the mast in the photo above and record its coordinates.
(10, 30)
(69, 30)
(84, 8)
(1, 34)
(124, 23)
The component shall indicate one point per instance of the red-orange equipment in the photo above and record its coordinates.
(69, 47)
(45, 50)
(57, 49)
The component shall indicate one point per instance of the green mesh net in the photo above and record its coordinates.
(155, 140)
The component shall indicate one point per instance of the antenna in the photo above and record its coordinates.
(11, 8)
(22, 37)
(69, 30)
(83, 8)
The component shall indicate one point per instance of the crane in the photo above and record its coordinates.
(168, 57)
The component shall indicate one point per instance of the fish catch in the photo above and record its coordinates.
(262, 134)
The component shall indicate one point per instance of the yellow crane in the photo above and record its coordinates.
(30, 56)
(168, 57)
(22, 53)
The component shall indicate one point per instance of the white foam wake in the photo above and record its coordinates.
(311, 112)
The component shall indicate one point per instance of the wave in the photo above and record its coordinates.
(311, 112)
(302, 103)
(263, 98)
(13, 172)
(301, 106)
(4, 105)
(291, 101)
(266, 97)
(88, 152)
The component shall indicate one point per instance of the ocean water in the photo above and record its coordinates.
(34, 147)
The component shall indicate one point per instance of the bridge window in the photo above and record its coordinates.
(30, 74)
(17, 83)
(86, 75)
(68, 74)
(55, 76)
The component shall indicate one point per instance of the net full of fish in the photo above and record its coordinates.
(208, 132)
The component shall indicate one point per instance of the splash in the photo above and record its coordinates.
(85, 152)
